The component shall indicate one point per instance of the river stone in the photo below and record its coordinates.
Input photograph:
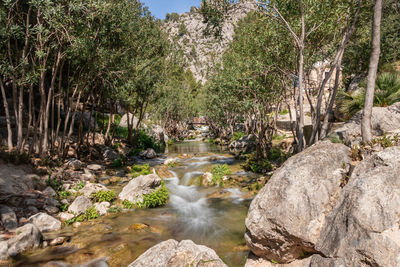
(74, 164)
(383, 120)
(109, 154)
(101, 262)
(94, 167)
(364, 226)
(139, 186)
(14, 180)
(90, 188)
(3, 250)
(172, 253)
(287, 215)
(102, 207)
(80, 205)
(8, 218)
(65, 216)
(27, 236)
(49, 192)
(45, 222)
(148, 154)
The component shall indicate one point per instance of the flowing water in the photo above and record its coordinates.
(217, 222)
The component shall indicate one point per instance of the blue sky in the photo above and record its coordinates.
(161, 7)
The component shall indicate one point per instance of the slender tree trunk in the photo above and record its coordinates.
(5, 103)
(366, 126)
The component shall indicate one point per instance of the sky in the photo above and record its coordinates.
(159, 8)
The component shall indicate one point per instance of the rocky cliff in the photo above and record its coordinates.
(200, 52)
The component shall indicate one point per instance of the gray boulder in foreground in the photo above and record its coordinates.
(8, 218)
(139, 186)
(286, 217)
(27, 236)
(364, 227)
(172, 253)
(80, 205)
(45, 222)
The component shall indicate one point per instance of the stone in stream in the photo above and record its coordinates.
(172, 253)
(101, 262)
(80, 205)
(148, 154)
(74, 164)
(65, 216)
(45, 222)
(27, 236)
(49, 191)
(8, 218)
(139, 186)
(91, 188)
(102, 207)
(286, 217)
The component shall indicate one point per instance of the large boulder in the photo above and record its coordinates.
(315, 260)
(139, 186)
(364, 227)
(286, 217)
(45, 222)
(80, 205)
(91, 188)
(27, 236)
(8, 218)
(172, 253)
(14, 180)
(384, 120)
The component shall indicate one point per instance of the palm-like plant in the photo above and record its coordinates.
(387, 92)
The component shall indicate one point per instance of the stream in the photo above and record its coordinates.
(201, 214)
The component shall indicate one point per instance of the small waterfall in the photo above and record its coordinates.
(195, 215)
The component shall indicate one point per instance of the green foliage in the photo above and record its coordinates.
(218, 172)
(257, 165)
(182, 30)
(213, 15)
(104, 196)
(118, 163)
(174, 17)
(79, 186)
(155, 199)
(138, 170)
(275, 154)
(387, 92)
(127, 204)
(90, 214)
(237, 135)
(63, 194)
(283, 112)
(114, 210)
(63, 207)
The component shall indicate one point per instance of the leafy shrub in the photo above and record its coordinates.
(283, 112)
(64, 194)
(219, 171)
(138, 170)
(237, 135)
(257, 165)
(127, 204)
(90, 214)
(104, 196)
(63, 207)
(79, 186)
(387, 92)
(114, 210)
(156, 198)
(275, 153)
(118, 163)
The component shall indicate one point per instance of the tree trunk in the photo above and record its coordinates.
(5, 103)
(366, 126)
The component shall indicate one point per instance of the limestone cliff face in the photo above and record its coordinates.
(201, 52)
